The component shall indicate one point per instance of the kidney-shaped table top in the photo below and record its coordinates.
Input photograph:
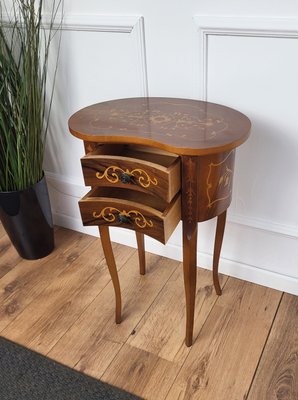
(181, 126)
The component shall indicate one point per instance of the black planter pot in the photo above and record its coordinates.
(27, 218)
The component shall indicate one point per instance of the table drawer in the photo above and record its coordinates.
(132, 210)
(156, 174)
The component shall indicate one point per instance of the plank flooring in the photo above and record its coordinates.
(62, 306)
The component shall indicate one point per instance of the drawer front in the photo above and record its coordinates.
(130, 215)
(132, 173)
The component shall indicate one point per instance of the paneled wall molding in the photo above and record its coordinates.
(122, 24)
(98, 23)
(269, 27)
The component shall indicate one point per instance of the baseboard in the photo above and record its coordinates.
(228, 267)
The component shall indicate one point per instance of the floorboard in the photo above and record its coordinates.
(28, 279)
(245, 341)
(277, 374)
(98, 320)
(2, 231)
(166, 339)
(8, 254)
(46, 319)
(226, 353)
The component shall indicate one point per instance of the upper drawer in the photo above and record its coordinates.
(157, 174)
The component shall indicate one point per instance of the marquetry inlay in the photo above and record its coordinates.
(224, 182)
(113, 175)
(110, 214)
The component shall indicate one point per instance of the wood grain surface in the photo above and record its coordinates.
(146, 171)
(277, 374)
(180, 126)
(138, 211)
(63, 307)
(9, 256)
(226, 353)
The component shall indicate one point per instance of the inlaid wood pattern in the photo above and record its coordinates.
(131, 210)
(180, 126)
(63, 307)
(138, 170)
(215, 174)
(201, 138)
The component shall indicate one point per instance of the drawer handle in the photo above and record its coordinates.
(109, 214)
(113, 174)
(126, 178)
(122, 218)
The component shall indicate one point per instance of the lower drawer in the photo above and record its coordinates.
(132, 210)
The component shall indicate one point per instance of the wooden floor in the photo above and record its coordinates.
(246, 341)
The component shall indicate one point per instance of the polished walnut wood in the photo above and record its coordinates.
(180, 126)
(220, 228)
(139, 133)
(215, 174)
(109, 255)
(156, 174)
(190, 208)
(141, 252)
(132, 210)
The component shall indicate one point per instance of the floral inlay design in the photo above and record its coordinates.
(110, 214)
(225, 180)
(162, 120)
(113, 175)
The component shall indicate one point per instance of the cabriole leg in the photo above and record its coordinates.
(141, 251)
(190, 280)
(220, 229)
(109, 255)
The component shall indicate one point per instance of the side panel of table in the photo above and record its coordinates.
(206, 193)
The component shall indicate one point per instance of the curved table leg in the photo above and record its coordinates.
(189, 211)
(190, 279)
(108, 252)
(220, 229)
(141, 251)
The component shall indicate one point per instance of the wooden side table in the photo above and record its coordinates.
(152, 162)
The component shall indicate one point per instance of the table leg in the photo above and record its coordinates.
(189, 211)
(190, 280)
(109, 255)
(220, 228)
(141, 252)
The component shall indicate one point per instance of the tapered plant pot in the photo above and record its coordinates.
(27, 218)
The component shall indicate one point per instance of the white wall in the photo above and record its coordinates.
(244, 55)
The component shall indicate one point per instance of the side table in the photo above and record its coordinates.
(154, 161)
